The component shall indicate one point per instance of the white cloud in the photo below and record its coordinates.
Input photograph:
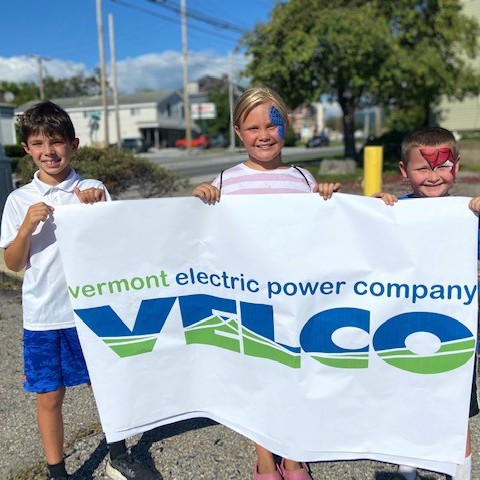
(25, 68)
(153, 71)
(165, 70)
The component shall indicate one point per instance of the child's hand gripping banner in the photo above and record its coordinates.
(322, 330)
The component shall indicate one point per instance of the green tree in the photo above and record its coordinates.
(23, 91)
(431, 57)
(399, 53)
(74, 86)
(221, 124)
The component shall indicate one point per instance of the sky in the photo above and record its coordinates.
(148, 39)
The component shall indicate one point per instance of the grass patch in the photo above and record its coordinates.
(313, 165)
(471, 136)
(9, 282)
(469, 168)
(316, 158)
(356, 175)
(38, 471)
(90, 431)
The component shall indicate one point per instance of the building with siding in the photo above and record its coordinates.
(463, 116)
(154, 116)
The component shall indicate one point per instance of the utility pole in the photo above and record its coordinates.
(103, 75)
(40, 76)
(41, 86)
(186, 100)
(230, 100)
(113, 71)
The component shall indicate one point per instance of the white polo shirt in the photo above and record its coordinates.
(46, 303)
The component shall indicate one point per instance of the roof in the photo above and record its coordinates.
(95, 101)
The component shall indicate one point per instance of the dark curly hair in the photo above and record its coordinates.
(46, 118)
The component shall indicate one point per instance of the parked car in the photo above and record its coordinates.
(135, 145)
(220, 141)
(321, 140)
(200, 141)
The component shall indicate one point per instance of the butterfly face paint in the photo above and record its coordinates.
(261, 136)
(437, 157)
(276, 119)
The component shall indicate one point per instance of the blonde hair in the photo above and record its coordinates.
(253, 97)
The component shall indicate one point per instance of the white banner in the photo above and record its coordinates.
(322, 330)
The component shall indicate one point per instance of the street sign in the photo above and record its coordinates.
(94, 114)
(204, 111)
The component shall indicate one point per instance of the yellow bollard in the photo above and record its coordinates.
(372, 170)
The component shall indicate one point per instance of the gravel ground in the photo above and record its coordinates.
(189, 450)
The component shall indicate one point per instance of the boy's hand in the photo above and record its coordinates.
(326, 189)
(207, 192)
(37, 213)
(388, 198)
(90, 195)
(17, 253)
(475, 205)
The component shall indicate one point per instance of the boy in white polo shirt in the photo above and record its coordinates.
(53, 358)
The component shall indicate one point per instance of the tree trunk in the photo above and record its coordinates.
(348, 108)
(427, 114)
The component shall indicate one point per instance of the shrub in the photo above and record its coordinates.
(121, 172)
(391, 142)
(14, 151)
(290, 137)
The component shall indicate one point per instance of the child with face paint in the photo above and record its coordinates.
(260, 120)
(430, 162)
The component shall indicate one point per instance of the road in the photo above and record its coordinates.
(202, 165)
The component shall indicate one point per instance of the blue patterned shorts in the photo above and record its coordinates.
(52, 359)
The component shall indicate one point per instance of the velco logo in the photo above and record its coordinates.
(249, 330)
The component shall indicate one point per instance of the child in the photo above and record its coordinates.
(53, 358)
(430, 161)
(260, 121)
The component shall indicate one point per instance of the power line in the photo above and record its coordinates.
(173, 20)
(201, 17)
(218, 7)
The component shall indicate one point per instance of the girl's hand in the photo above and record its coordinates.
(207, 192)
(326, 189)
(388, 198)
(90, 195)
(475, 205)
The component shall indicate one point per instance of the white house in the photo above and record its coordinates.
(155, 116)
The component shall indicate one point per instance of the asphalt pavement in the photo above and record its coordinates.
(189, 450)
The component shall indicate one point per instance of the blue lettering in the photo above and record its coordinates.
(151, 316)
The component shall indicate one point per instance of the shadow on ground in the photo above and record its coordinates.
(141, 451)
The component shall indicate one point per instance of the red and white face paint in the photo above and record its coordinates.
(430, 171)
(439, 157)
